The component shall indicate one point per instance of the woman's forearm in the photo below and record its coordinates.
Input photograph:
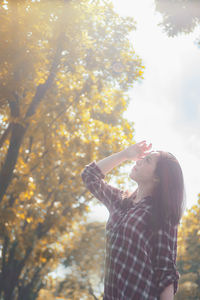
(108, 163)
(133, 152)
(168, 293)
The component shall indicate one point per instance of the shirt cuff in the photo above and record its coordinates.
(168, 279)
(96, 170)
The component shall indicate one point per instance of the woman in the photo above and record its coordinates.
(141, 232)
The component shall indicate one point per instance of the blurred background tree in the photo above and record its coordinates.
(65, 70)
(188, 258)
(86, 265)
(178, 16)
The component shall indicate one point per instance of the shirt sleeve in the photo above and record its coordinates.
(164, 258)
(92, 177)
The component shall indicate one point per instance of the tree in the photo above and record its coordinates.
(188, 288)
(86, 264)
(65, 69)
(178, 16)
(188, 260)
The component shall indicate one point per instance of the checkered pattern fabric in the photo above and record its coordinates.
(139, 264)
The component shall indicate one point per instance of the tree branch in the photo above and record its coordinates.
(5, 134)
(42, 88)
(18, 130)
(14, 106)
(6, 173)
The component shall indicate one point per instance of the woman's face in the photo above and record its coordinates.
(143, 170)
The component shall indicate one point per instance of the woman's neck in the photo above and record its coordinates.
(140, 194)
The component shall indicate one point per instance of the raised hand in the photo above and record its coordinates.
(137, 151)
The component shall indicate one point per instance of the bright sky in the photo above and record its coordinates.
(165, 105)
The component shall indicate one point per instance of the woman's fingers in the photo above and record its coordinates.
(147, 149)
(150, 145)
(142, 142)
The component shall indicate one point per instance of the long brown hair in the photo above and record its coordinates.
(168, 199)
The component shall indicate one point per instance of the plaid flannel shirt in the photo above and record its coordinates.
(139, 265)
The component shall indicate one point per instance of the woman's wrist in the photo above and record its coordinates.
(123, 155)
